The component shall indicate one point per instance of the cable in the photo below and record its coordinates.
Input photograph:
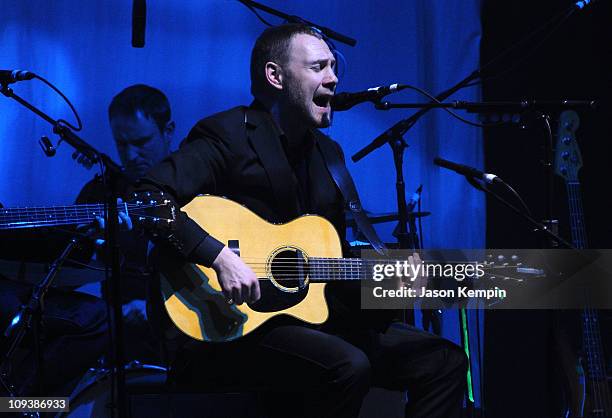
(435, 100)
(85, 265)
(520, 199)
(530, 54)
(527, 37)
(481, 385)
(67, 101)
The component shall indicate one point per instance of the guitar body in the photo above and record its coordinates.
(278, 254)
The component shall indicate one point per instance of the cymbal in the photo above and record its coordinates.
(377, 218)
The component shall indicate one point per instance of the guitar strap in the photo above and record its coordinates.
(345, 183)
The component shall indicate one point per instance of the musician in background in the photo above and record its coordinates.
(271, 157)
(74, 332)
(142, 128)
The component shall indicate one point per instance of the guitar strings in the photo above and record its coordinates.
(587, 316)
(592, 339)
(61, 215)
(78, 206)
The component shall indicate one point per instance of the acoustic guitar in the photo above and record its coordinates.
(293, 262)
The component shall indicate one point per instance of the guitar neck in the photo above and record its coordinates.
(591, 333)
(327, 269)
(578, 229)
(33, 217)
(593, 346)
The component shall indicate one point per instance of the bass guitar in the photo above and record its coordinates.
(593, 398)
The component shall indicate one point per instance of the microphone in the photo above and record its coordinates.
(13, 76)
(467, 171)
(345, 101)
(139, 23)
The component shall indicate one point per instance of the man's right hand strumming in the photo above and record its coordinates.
(238, 281)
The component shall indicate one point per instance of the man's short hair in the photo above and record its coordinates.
(273, 45)
(149, 100)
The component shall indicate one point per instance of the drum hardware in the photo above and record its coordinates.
(92, 395)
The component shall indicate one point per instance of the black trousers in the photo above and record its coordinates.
(75, 336)
(312, 373)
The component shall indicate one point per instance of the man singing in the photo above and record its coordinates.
(271, 157)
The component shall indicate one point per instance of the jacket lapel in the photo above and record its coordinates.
(263, 136)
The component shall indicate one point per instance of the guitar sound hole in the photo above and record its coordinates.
(290, 269)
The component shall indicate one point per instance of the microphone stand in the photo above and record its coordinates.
(394, 137)
(30, 317)
(538, 227)
(402, 126)
(397, 131)
(405, 237)
(542, 109)
(294, 19)
(112, 173)
(494, 106)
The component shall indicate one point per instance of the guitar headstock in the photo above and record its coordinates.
(510, 268)
(568, 160)
(152, 211)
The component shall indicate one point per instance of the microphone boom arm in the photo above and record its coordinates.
(294, 19)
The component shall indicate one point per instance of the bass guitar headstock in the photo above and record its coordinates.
(568, 160)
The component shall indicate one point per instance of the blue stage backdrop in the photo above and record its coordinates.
(198, 51)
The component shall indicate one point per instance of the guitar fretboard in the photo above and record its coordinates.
(591, 333)
(326, 269)
(578, 229)
(32, 217)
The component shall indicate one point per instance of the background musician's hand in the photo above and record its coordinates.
(420, 281)
(124, 221)
(96, 228)
(238, 281)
